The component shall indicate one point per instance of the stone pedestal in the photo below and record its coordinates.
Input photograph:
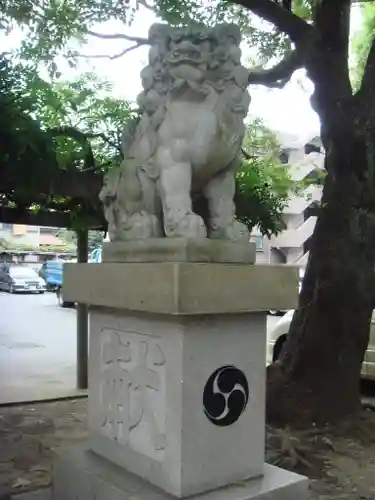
(153, 407)
(177, 373)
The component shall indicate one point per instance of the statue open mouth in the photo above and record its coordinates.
(191, 57)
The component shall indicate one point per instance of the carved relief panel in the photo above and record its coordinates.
(132, 391)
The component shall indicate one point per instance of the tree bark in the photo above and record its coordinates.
(316, 378)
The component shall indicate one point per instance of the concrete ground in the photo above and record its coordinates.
(37, 348)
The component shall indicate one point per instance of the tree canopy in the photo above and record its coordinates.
(50, 28)
(50, 127)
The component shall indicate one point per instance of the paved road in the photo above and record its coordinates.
(37, 348)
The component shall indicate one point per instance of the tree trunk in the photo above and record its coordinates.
(316, 378)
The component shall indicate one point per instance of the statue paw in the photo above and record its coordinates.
(189, 225)
(140, 226)
(235, 231)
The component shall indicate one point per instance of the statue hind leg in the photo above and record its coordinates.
(219, 193)
(137, 215)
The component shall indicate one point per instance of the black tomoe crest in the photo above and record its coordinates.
(225, 395)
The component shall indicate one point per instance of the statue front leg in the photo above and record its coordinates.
(219, 193)
(175, 193)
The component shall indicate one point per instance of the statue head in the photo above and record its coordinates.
(189, 61)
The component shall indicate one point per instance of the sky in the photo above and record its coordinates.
(287, 110)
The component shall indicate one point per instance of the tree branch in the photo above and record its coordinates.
(296, 28)
(248, 156)
(332, 22)
(105, 139)
(77, 135)
(146, 5)
(107, 56)
(278, 75)
(115, 36)
(137, 42)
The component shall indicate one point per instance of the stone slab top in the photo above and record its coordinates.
(180, 250)
(182, 288)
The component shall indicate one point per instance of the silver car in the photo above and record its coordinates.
(16, 278)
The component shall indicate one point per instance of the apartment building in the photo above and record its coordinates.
(305, 160)
(28, 236)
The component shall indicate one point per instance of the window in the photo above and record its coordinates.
(284, 157)
(22, 272)
(48, 230)
(32, 229)
(312, 148)
(258, 240)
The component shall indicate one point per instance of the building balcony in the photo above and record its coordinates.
(296, 237)
(298, 204)
(299, 170)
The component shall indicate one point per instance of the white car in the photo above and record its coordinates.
(277, 336)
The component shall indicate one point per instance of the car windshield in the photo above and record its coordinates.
(22, 273)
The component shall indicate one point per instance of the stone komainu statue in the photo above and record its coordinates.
(187, 141)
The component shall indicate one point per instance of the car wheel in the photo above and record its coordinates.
(62, 302)
(11, 289)
(67, 304)
(41, 292)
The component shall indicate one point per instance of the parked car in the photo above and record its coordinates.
(277, 336)
(94, 257)
(60, 298)
(51, 272)
(18, 278)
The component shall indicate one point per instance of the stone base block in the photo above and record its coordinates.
(180, 250)
(80, 474)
